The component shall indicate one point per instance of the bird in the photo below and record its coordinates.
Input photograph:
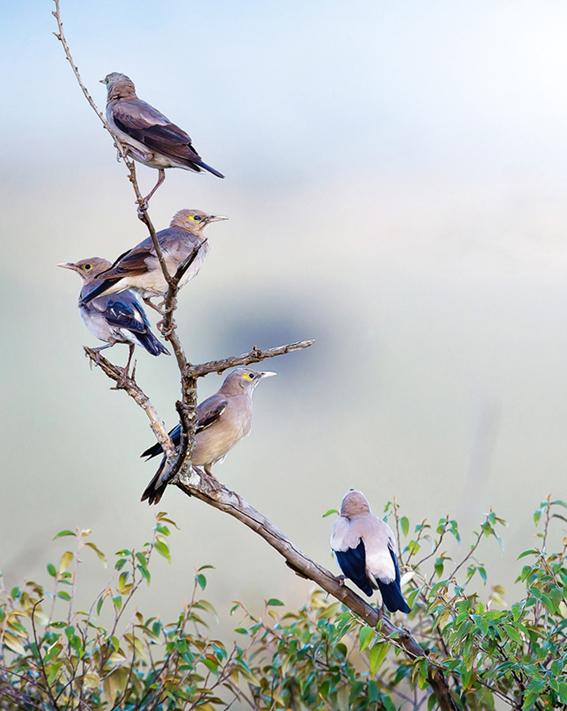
(114, 319)
(222, 420)
(150, 137)
(364, 547)
(139, 267)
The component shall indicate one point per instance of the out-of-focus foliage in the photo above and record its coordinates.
(53, 656)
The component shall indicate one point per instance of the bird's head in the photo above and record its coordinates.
(118, 86)
(353, 503)
(87, 269)
(244, 379)
(194, 220)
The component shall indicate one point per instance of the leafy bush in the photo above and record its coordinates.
(319, 657)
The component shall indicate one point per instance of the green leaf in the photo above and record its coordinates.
(274, 602)
(65, 562)
(142, 559)
(329, 512)
(404, 525)
(377, 655)
(365, 636)
(124, 586)
(97, 550)
(163, 549)
(201, 581)
(64, 595)
(52, 652)
(51, 569)
(513, 633)
(65, 532)
(530, 551)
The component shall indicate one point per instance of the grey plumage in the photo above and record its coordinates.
(222, 420)
(113, 319)
(364, 546)
(139, 267)
(150, 137)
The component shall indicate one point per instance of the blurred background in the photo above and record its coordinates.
(396, 189)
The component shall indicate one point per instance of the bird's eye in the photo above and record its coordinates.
(86, 267)
(197, 218)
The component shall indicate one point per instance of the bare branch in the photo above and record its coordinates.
(234, 505)
(254, 355)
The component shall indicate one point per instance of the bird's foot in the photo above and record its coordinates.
(142, 207)
(340, 579)
(209, 478)
(122, 380)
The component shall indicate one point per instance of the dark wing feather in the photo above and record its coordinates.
(148, 126)
(135, 114)
(208, 412)
(353, 564)
(131, 263)
(122, 314)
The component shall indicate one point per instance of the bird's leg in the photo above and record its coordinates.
(144, 202)
(148, 301)
(126, 370)
(340, 579)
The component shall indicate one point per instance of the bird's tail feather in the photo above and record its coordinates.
(209, 168)
(154, 490)
(392, 596)
(152, 344)
(152, 451)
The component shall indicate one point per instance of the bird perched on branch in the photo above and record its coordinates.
(222, 420)
(364, 547)
(150, 137)
(139, 267)
(114, 319)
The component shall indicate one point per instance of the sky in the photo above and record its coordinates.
(396, 189)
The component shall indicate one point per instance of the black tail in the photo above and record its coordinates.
(151, 343)
(152, 451)
(203, 165)
(392, 596)
(99, 289)
(154, 490)
(156, 448)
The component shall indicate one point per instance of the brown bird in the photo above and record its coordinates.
(139, 267)
(364, 547)
(149, 136)
(222, 420)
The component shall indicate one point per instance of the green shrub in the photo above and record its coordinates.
(53, 656)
